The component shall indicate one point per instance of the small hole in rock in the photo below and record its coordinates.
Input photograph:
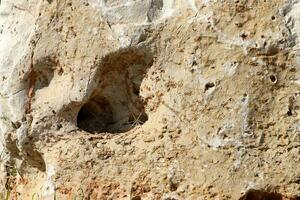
(273, 17)
(60, 71)
(289, 113)
(209, 86)
(244, 36)
(273, 78)
(59, 126)
(244, 97)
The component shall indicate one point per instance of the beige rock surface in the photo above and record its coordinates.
(157, 99)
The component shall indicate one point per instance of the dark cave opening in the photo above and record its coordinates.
(115, 105)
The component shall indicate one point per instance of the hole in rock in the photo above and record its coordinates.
(208, 86)
(273, 78)
(289, 112)
(115, 105)
(264, 195)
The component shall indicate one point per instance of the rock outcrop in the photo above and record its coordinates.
(150, 99)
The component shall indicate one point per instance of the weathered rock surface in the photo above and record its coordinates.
(150, 99)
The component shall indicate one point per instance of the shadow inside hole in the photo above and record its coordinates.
(273, 78)
(115, 105)
(208, 86)
(95, 115)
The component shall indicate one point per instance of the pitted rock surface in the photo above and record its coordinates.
(150, 99)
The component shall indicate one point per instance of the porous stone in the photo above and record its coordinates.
(150, 99)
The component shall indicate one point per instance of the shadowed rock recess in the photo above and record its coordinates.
(116, 106)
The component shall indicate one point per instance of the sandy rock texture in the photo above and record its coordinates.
(150, 99)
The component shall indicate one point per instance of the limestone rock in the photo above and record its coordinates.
(150, 99)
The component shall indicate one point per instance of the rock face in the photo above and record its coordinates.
(150, 99)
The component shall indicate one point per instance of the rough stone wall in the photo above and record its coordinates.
(157, 99)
